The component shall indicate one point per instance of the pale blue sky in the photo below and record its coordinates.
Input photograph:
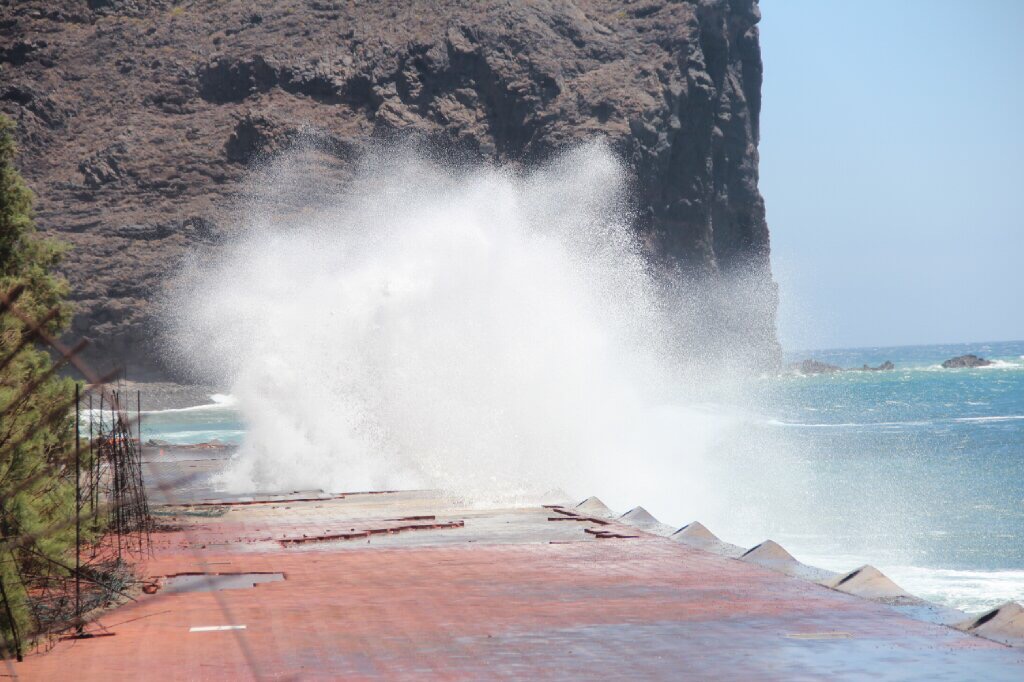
(892, 165)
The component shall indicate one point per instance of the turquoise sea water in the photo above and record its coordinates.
(216, 421)
(918, 471)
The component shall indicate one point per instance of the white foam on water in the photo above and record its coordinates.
(190, 437)
(971, 591)
(993, 418)
(1003, 364)
(220, 403)
(494, 334)
(845, 425)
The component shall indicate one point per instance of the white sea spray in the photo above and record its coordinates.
(491, 333)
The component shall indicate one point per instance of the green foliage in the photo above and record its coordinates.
(24, 257)
(37, 493)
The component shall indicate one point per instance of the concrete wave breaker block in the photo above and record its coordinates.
(772, 555)
(1002, 624)
(866, 582)
(593, 506)
(697, 535)
(870, 583)
(638, 517)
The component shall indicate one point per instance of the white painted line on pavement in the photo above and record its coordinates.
(215, 628)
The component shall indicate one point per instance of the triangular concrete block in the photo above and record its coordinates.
(695, 531)
(1002, 624)
(868, 582)
(592, 506)
(767, 551)
(639, 516)
(697, 535)
(772, 555)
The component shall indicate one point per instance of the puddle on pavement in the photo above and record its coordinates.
(209, 582)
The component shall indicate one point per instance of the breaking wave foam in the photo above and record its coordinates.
(993, 418)
(971, 591)
(493, 334)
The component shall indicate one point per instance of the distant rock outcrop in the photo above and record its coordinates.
(969, 360)
(137, 121)
(816, 367)
(884, 367)
(811, 366)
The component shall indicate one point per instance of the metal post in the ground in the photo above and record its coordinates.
(115, 449)
(78, 511)
(94, 478)
(10, 618)
(92, 469)
(99, 460)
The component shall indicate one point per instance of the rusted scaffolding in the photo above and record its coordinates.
(117, 476)
(111, 519)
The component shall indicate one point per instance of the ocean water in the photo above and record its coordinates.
(918, 471)
(216, 421)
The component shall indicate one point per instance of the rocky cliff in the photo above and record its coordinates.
(138, 120)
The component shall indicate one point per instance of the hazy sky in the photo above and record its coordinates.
(892, 165)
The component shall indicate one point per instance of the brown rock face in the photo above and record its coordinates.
(138, 121)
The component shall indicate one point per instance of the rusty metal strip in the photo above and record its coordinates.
(607, 535)
(584, 519)
(560, 510)
(359, 534)
(229, 503)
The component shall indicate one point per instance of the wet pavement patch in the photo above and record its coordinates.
(209, 582)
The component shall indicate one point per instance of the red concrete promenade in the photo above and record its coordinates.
(413, 587)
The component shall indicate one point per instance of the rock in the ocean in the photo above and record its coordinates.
(817, 367)
(969, 360)
(884, 367)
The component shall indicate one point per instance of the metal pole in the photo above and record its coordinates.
(78, 510)
(10, 617)
(116, 459)
(143, 525)
(92, 469)
(99, 461)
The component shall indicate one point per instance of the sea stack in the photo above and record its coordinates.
(884, 367)
(965, 361)
(817, 367)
